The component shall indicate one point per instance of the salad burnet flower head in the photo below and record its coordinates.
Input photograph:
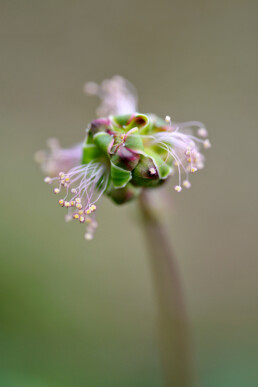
(124, 152)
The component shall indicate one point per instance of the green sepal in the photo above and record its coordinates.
(123, 195)
(142, 175)
(90, 152)
(119, 176)
(121, 120)
(142, 122)
(163, 168)
(134, 141)
(103, 141)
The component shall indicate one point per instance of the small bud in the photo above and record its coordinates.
(61, 202)
(56, 191)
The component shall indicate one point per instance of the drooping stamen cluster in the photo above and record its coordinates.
(83, 186)
(183, 147)
(57, 159)
(117, 95)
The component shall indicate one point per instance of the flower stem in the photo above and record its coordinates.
(173, 324)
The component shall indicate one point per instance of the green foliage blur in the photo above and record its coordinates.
(76, 313)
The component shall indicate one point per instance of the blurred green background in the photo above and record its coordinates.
(77, 313)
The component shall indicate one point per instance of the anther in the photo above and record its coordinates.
(88, 211)
(178, 188)
(48, 180)
(186, 184)
(193, 169)
(207, 144)
(88, 236)
(93, 207)
(202, 132)
(79, 206)
(61, 175)
(75, 216)
(82, 219)
(61, 202)
(168, 119)
(56, 191)
(67, 204)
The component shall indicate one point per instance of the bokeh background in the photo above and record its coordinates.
(74, 313)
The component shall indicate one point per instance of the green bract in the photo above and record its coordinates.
(124, 144)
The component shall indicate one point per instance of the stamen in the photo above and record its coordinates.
(88, 182)
(48, 180)
(202, 132)
(168, 119)
(178, 188)
(186, 184)
(88, 236)
(207, 144)
(183, 148)
(82, 219)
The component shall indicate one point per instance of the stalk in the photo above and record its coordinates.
(173, 324)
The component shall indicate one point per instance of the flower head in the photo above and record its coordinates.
(123, 153)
